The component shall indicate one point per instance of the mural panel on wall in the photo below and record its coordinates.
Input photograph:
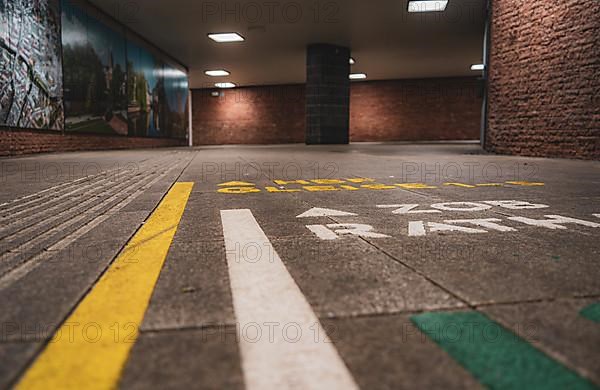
(95, 78)
(30, 64)
(176, 91)
(86, 77)
(145, 92)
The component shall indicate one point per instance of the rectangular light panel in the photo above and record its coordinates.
(427, 5)
(226, 37)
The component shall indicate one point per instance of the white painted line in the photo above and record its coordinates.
(444, 227)
(406, 209)
(461, 206)
(488, 223)
(416, 229)
(356, 229)
(320, 212)
(190, 120)
(322, 232)
(333, 231)
(555, 222)
(516, 204)
(266, 296)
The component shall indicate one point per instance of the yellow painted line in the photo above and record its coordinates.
(459, 185)
(275, 189)
(91, 347)
(236, 184)
(328, 181)
(286, 182)
(329, 185)
(525, 183)
(415, 186)
(238, 190)
(320, 188)
(377, 187)
(359, 180)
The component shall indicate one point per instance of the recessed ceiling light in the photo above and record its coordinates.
(478, 67)
(352, 62)
(216, 73)
(427, 5)
(358, 76)
(225, 85)
(226, 37)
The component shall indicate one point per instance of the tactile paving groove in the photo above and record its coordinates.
(27, 200)
(61, 200)
(58, 224)
(7, 209)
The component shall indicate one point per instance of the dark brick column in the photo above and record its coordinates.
(327, 94)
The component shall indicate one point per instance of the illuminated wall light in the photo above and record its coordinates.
(172, 73)
(358, 76)
(226, 37)
(427, 5)
(225, 85)
(216, 73)
(352, 61)
(478, 67)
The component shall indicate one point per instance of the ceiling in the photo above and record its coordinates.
(386, 41)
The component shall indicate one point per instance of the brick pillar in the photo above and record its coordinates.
(327, 94)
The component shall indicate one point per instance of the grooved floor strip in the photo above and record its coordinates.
(59, 204)
(51, 229)
(30, 263)
(92, 346)
(59, 190)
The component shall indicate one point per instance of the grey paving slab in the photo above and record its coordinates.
(557, 329)
(388, 352)
(503, 267)
(42, 297)
(200, 221)
(12, 358)
(352, 278)
(193, 288)
(189, 359)
(146, 201)
(359, 285)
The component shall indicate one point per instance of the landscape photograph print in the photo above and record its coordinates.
(95, 73)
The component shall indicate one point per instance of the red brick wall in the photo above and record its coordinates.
(416, 110)
(396, 110)
(254, 115)
(17, 142)
(544, 97)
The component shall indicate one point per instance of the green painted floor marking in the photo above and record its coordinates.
(591, 312)
(495, 356)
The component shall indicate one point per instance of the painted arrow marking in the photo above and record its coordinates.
(320, 212)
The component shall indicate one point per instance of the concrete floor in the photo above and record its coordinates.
(66, 217)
